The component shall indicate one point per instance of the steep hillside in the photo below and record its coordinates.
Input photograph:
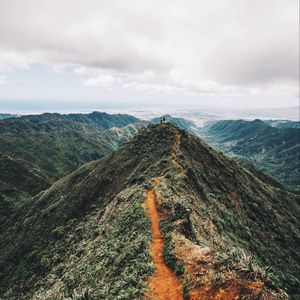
(58, 147)
(36, 152)
(19, 181)
(270, 149)
(58, 144)
(101, 232)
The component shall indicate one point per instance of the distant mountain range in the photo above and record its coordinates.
(37, 150)
(99, 120)
(78, 138)
(224, 233)
(98, 206)
(283, 123)
(271, 146)
(180, 122)
(7, 116)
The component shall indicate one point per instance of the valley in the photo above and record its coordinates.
(272, 147)
(37, 150)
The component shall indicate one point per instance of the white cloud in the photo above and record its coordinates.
(155, 88)
(2, 79)
(10, 60)
(105, 81)
(174, 47)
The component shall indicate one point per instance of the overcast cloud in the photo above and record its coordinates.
(200, 47)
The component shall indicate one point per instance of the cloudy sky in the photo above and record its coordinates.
(241, 53)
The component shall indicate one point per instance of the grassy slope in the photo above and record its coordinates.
(243, 211)
(273, 150)
(37, 150)
(89, 230)
(95, 215)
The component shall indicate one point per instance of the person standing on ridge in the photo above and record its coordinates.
(162, 120)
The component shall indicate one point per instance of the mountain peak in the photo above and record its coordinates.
(165, 193)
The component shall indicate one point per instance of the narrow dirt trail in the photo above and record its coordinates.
(174, 154)
(164, 285)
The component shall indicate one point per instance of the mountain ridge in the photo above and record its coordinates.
(99, 120)
(37, 150)
(270, 149)
(92, 231)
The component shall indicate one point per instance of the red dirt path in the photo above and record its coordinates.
(174, 155)
(163, 285)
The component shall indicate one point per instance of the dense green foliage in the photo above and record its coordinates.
(37, 150)
(244, 212)
(89, 231)
(274, 150)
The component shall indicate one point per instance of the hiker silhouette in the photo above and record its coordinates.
(162, 120)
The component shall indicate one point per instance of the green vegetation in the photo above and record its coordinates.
(283, 123)
(6, 116)
(37, 150)
(88, 230)
(185, 290)
(271, 146)
(88, 235)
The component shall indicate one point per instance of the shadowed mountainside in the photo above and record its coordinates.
(37, 150)
(270, 149)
